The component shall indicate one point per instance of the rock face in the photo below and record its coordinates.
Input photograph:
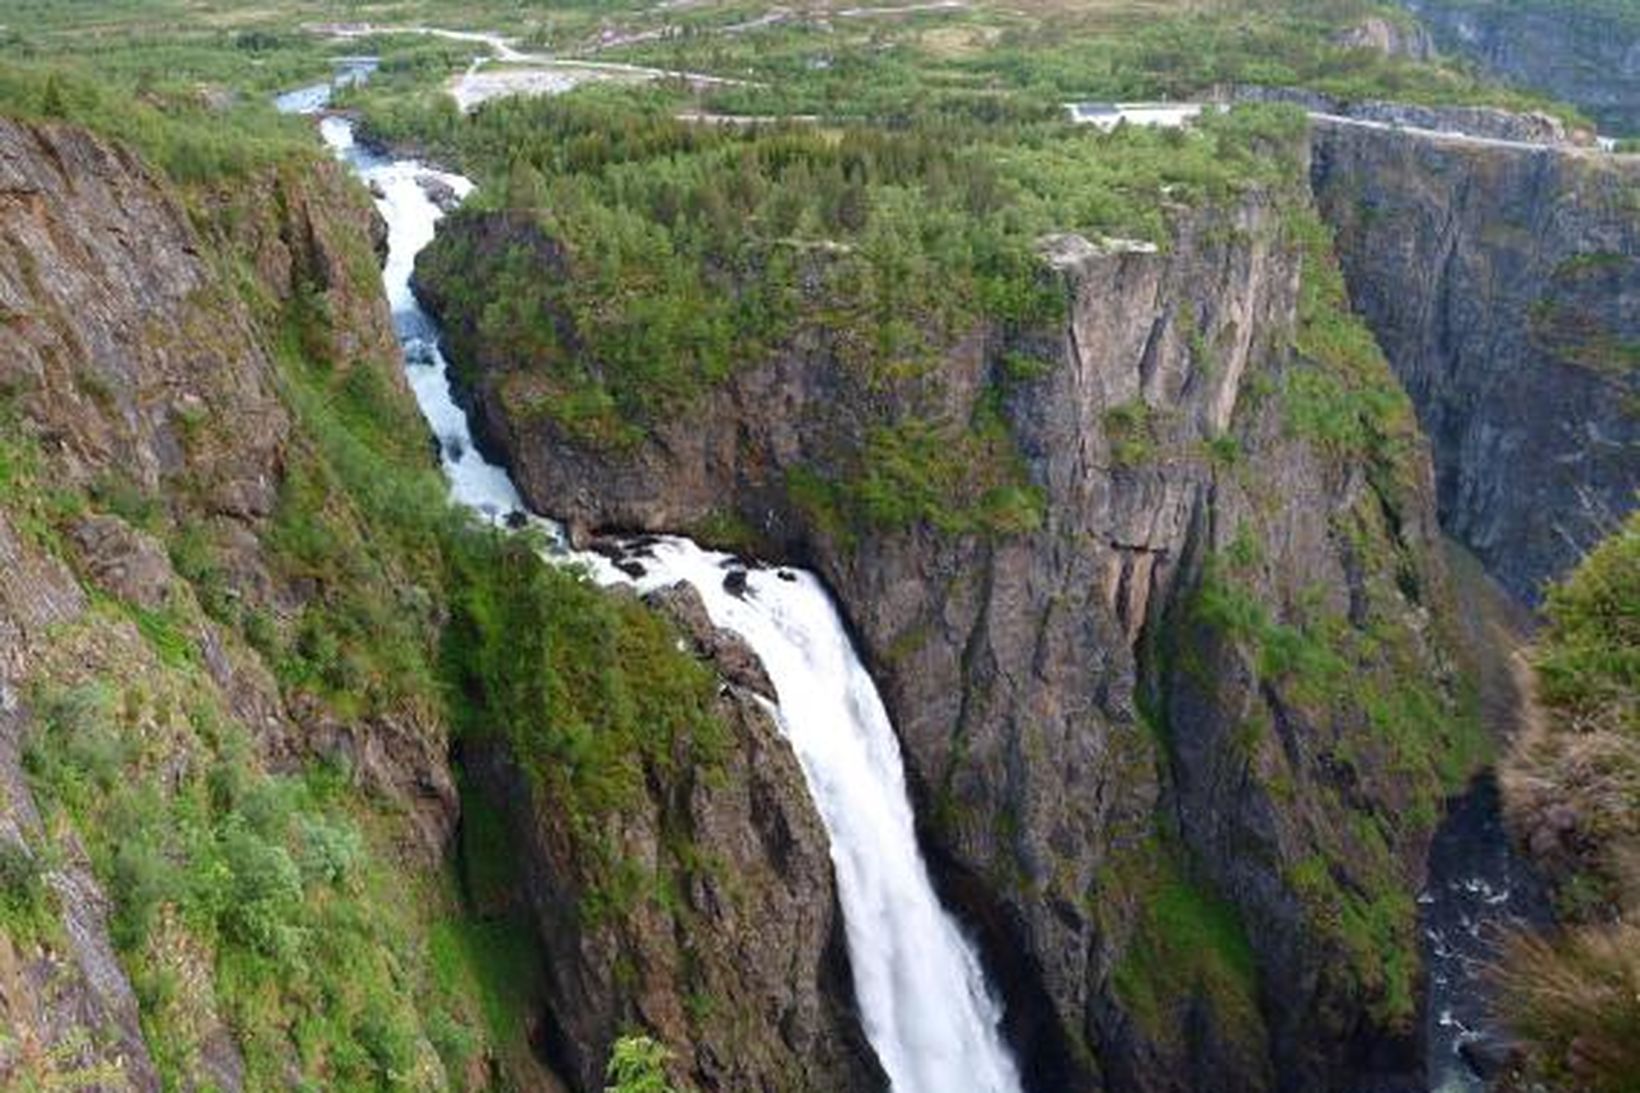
(746, 965)
(1587, 54)
(1487, 122)
(1085, 738)
(150, 444)
(1391, 37)
(135, 383)
(1502, 284)
(72, 1000)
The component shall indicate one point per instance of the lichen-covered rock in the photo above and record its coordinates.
(126, 562)
(1404, 38)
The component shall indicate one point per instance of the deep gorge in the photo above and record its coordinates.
(1188, 498)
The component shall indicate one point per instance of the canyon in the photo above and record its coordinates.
(1181, 643)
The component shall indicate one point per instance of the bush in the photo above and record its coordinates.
(25, 898)
(1573, 997)
(637, 1064)
(263, 894)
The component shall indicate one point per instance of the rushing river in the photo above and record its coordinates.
(922, 994)
(1478, 888)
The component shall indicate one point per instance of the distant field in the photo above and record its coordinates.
(847, 59)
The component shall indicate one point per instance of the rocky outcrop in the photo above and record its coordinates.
(1585, 53)
(743, 964)
(1075, 721)
(144, 415)
(1405, 38)
(1501, 282)
(1490, 123)
(146, 383)
(64, 996)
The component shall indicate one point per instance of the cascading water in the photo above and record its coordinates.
(921, 990)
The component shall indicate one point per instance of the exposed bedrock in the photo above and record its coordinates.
(1503, 283)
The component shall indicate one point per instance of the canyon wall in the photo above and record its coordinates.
(229, 819)
(1501, 281)
(1586, 53)
(1178, 739)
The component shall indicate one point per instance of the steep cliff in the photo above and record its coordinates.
(700, 907)
(230, 683)
(1151, 596)
(1583, 51)
(161, 756)
(1500, 280)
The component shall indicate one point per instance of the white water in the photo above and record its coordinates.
(921, 990)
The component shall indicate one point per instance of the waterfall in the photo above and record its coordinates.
(926, 1007)
(921, 989)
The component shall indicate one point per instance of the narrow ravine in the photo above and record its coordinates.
(1478, 889)
(924, 1001)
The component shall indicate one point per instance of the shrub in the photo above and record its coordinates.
(637, 1064)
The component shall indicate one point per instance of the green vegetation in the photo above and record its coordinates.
(1358, 686)
(269, 882)
(588, 690)
(1341, 393)
(1571, 995)
(28, 910)
(683, 252)
(176, 128)
(1007, 64)
(637, 1064)
(1188, 944)
(900, 223)
(297, 911)
(1589, 664)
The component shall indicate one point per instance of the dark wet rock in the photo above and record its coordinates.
(439, 192)
(1487, 1058)
(516, 519)
(734, 582)
(733, 658)
(1478, 888)
(631, 568)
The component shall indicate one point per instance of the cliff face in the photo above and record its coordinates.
(1141, 776)
(227, 808)
(147, 442)
(1501, 282)
(741, 963)
(1586, 54)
